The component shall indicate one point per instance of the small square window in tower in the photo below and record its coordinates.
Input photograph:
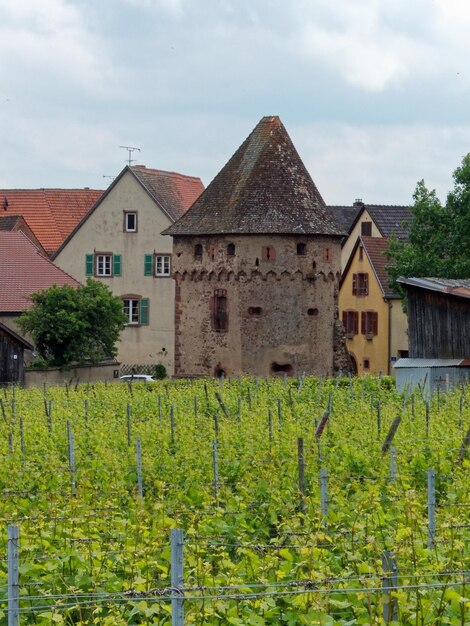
(268, 253)
(220, 311)
(231, 249)
(301, 249)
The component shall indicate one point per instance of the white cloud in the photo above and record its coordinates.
(380, 163)
(49, 45)
(174, 7)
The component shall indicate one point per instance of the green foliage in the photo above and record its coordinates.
(439, 235)
(160, 371)
(101, 555)
(71, 325)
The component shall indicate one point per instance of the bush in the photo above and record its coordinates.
(160, 371)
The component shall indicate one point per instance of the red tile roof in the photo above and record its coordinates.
(50, 213)
(14, 223)
(173, 192)
(23, 271)
(375, 248)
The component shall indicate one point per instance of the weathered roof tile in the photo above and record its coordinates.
(264, 188)
(50, 213)
(25, 270)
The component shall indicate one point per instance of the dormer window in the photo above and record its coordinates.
(366, 229)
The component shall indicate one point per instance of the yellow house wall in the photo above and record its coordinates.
(399, 331)
(355, 233)
(104, 232)
(375, 349)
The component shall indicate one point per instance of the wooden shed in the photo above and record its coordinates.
(438, 317)
(12, 348)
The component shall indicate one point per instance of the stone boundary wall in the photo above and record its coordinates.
(107, 371)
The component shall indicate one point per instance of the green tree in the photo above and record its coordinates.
(439, 236)
(71, 324)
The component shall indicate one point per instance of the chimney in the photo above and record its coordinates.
(358, 202)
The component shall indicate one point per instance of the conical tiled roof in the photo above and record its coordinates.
(264, 188)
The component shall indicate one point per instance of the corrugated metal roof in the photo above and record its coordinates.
(408, 363)
(263, 189)
(459, 287)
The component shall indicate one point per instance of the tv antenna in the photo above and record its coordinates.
(108, 176)
(130, 150)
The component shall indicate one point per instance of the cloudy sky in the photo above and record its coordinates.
(374, 93)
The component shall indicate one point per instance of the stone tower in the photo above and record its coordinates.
(256, 263)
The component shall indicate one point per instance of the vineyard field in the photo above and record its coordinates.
(300, 501)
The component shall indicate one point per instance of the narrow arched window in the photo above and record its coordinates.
(198, 251)
(231, 249)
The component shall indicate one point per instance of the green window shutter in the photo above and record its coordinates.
(117, 264)
(148, 264)
(89, 260)
(144, 311)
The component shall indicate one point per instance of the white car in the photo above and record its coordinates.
(137, 378)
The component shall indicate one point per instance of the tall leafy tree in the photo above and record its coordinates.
(439, 237)
(69, 324)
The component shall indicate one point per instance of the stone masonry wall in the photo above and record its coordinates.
(281, 304)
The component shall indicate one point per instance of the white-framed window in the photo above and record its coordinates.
(104, 264)
(136, 309)
(162, 264)
(130, 221)
(131, 308)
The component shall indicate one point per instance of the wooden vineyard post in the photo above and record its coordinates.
(177, 578)
(379, 420)
(319, 431)
(13, 576)
(270, 424)
(431, 508)
(215, 464)
(10, 443)
(464, 446)
(389, 584)
(49, 414)
(427, 419)
(279, 412)
(301, 466)
(138, 451)
(221, 404)
(391, 434)
(216, 424)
